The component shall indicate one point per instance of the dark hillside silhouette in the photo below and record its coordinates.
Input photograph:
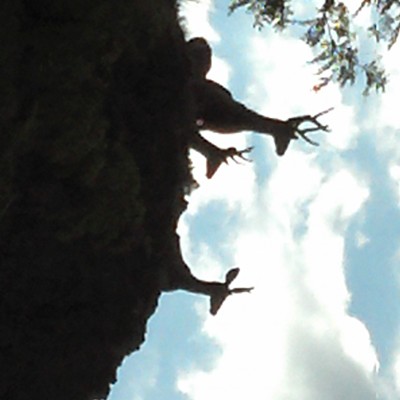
(94, 115)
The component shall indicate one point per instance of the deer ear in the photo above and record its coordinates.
(216, 302)
(242, 290)
(231, 275)
(212, 166)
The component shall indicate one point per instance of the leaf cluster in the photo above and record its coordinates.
(275, 12)
(332, 34)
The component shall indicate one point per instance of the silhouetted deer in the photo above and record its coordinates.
(218, 111)
(179, 277)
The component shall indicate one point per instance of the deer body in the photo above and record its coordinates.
(218, 111)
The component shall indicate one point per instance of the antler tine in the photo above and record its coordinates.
(312, 129)
(241, 290)
(245, 151)
(318, 125)
(240, 154)
(302, 134)
(297, 121)
(323, 112)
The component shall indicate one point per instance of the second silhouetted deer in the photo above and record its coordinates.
(218, 111)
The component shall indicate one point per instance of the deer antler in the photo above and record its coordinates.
(222, 155)
(232, 152)
(241, 290)
(295, 122)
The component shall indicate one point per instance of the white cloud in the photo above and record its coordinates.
(220, 71)
(391, 380)
(394, 172)
(323, 243)
(361, 239)
(197, 19)
(282, 88)
(291, 338)
(385, 119)
(356, 342)
(396, 372)
(388, 115)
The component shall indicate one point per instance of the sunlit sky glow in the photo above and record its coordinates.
(316, 232)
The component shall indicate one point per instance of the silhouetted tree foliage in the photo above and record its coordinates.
(332, 33)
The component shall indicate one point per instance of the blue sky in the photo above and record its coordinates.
(316, 232)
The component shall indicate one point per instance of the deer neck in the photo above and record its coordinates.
(184, 280)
